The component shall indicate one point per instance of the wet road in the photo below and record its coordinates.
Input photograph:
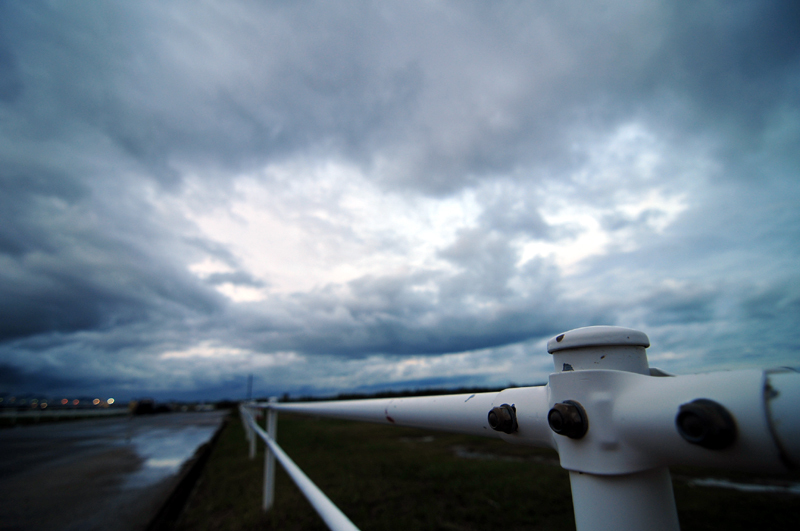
(98, 474)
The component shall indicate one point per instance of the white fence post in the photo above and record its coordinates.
(252, 435)
(244, 413)
(643, 500)
(244, 422)
(271, 424)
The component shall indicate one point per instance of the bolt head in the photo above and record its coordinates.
(568, 418)
(503, 418)
(706, 423)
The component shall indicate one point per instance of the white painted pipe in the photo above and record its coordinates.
(631, 416)
(252, 436)
(632, 421)
(462, 413)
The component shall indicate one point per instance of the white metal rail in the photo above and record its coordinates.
(333, 517)
(616, 423)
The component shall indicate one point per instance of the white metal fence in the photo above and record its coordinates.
(616, 423)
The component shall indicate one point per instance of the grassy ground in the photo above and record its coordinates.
(385, 477)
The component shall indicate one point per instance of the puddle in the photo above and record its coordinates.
(163, 463)
(164, 451)
(426, 439)
(791, 488)
(466, 453)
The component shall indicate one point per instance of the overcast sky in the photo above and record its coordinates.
(353, 196)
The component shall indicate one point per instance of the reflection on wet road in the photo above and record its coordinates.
(164, 450)
(96, 474)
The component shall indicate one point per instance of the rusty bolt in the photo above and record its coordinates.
(568, 418)
(706, 423)
(503, 418)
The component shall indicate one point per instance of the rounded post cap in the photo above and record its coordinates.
(598, 336)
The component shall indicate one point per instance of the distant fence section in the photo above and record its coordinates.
(617, 424)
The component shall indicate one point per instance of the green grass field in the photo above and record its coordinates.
(385, 477)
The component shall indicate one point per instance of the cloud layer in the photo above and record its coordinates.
(377, 195)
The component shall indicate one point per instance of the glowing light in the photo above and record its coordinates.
(110, 401)
(44, 405)
(64, 401)
(76, 402)
(96, 401)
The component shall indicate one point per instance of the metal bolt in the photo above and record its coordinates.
(503, 418)
(706, 423)
(568, 418)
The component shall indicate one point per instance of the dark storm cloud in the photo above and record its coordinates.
(53, 381)
(240, 278)
(782, 298)
(388, 315)
(234, 86)
(71, 264)
(10, 83)
(690, 304)
(109, 110)
(66, 269)
(12, 377)
(226, 87)
(734, 59)
(20, 191)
